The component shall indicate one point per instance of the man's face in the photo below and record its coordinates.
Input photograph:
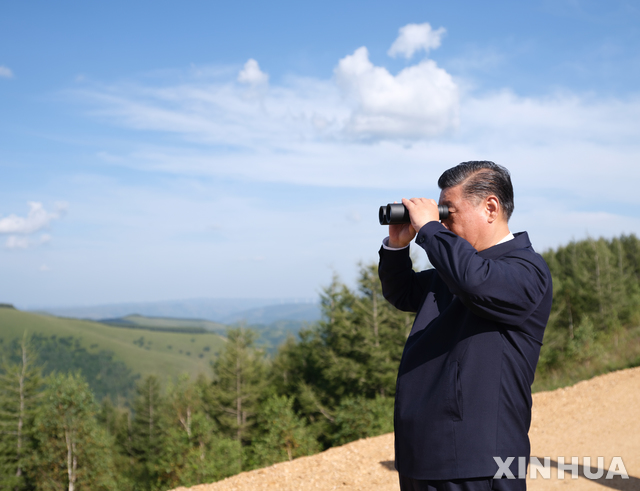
(466, 219)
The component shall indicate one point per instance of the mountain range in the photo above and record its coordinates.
(222, 310)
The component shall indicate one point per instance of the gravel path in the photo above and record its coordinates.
(595, 418)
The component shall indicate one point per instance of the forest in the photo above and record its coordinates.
(331, 384)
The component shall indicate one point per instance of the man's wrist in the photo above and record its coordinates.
(397, 245)
(387, 244)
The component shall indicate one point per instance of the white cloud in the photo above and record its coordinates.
(420, 102)
(20, 229)
(362, 102)
(36, 219)
(415, 124)
(416, 37)
(567, 142)
(5, 72)
(252, 75)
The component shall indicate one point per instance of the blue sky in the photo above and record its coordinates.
(172, 150)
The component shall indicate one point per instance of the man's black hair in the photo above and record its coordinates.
(479, 179)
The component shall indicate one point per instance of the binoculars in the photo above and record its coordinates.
(396, 213)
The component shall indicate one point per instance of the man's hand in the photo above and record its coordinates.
(401, 235)
(421, 211)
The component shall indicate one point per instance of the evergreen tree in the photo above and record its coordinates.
(72, 451)
(338, 356)
(65, 354)
(359, 417)
(283, 434)
(315, 370)
(596, 291)
(19, 387)
(297, 371)
(240, 376)
(147, 436)
(196, 451)
(385, 331)
(351, 354)
(626, 253)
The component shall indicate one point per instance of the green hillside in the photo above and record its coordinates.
(136, 321)
(270, 335)
(146, 352)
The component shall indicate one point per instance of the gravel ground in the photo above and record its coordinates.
(594, 418)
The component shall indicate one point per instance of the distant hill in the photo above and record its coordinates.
(271, 334)
(166, 324)
(161, 345)
(147, 352)
(223, 310)
(300, 312)
(113, 352)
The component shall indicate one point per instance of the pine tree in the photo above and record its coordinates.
(339, 358)
(19, 388)
(72, 451)
(297, 371)
(240, 376)
(629, 259)
(320, 368)
(356, 347)
(116, 421)
(384, 332)
(147, 436)
(196, 451)
(359, 417)
(352, 353)
(283, 434)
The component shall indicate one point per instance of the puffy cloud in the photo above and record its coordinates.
(5, 72)
(362, 102)
(419, 102)
(416, 37)
(252, 75)
(308, 131)
(20, 228)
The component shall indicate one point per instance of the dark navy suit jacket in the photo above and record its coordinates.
(463, 393)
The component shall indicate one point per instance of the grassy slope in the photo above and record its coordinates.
(153, 357)
(271, 336)
(136, 320)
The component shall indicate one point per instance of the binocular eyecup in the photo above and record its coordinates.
(397, 213)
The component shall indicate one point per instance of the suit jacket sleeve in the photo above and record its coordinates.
(504, 289)
(401, 285)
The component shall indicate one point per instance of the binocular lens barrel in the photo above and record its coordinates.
(396, 213)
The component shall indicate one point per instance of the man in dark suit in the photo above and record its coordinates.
(463, 396)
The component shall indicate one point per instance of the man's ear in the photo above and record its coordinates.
(492, 207)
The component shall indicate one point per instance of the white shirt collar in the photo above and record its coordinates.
(507, 238)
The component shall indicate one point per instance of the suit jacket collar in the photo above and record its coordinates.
(520, 241)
